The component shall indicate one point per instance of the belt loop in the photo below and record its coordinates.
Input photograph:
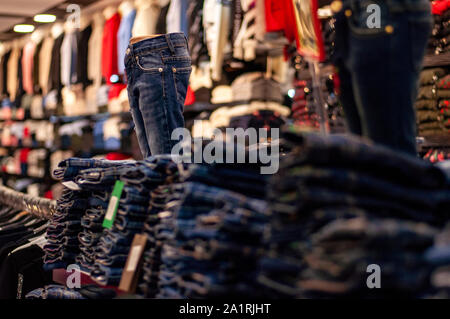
(129, 54)
(170, 44)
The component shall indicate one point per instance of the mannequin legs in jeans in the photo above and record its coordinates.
(379, 68)
(158, 70)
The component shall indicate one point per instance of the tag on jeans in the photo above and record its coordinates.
(130, 273)
(71, 185)
(133, 258)
(113, 205)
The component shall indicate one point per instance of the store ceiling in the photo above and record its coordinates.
(23, 11)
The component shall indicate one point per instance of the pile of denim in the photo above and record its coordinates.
(62, 233)
(103, 251)
(54, 292)
(204, 234)
(212, 238)
(438, 258)
(340, 204)
(62, 292)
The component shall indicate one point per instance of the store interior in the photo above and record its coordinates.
(90, 210)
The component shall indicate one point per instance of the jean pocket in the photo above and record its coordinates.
(150, 63)
(181, 79)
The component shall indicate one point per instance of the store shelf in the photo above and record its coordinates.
(68, 119)
(436, 60)
(435, 141)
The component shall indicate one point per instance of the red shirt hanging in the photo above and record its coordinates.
(109, 47)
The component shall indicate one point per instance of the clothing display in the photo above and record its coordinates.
(201, 149)
(158, 70)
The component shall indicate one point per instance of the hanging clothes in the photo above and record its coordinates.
(95, 50)
(45, 60)
(109, 47)
(12, 79)
(176, 18)
(69, 58)
(27, 66)
(123, 38)
(82, 57)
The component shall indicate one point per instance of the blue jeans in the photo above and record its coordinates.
(70, 167)
(379, 68)
(158, 71)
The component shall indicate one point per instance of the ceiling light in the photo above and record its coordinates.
(45, 18)
(23, 28)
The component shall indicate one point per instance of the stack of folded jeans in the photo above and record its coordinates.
(438, 258)
(212, 239)
(333, 201)
(62, 233)
(91, 224)
(429, 118)
(66, 226)
(154, 228)
(54, 292)
(204, 188)
(103, 252)
(110, 252)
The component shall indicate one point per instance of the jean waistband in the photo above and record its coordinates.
(159, 42)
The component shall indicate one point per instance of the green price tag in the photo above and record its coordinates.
(113, 205)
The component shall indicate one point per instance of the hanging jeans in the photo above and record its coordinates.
(158, 70)
(378, 64)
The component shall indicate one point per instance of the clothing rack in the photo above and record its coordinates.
(40, 207)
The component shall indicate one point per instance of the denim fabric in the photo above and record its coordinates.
(54, 292)
(380, 106)
(158, 70)
(360, 155)
(243, 181)
(69, 168)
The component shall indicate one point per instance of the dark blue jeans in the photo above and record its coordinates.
(158, 71)
(379, 68)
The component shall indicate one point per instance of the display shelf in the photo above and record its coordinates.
(436, 60)
(68, 119)
(434, 141)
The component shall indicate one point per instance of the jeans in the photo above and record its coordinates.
(356, 154)
(69, 168)
(379, 68)
(158, 71)
(54, 292)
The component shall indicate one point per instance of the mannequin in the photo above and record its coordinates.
(57, 30)
(109, 11)
(126, 7)
(146, 17)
